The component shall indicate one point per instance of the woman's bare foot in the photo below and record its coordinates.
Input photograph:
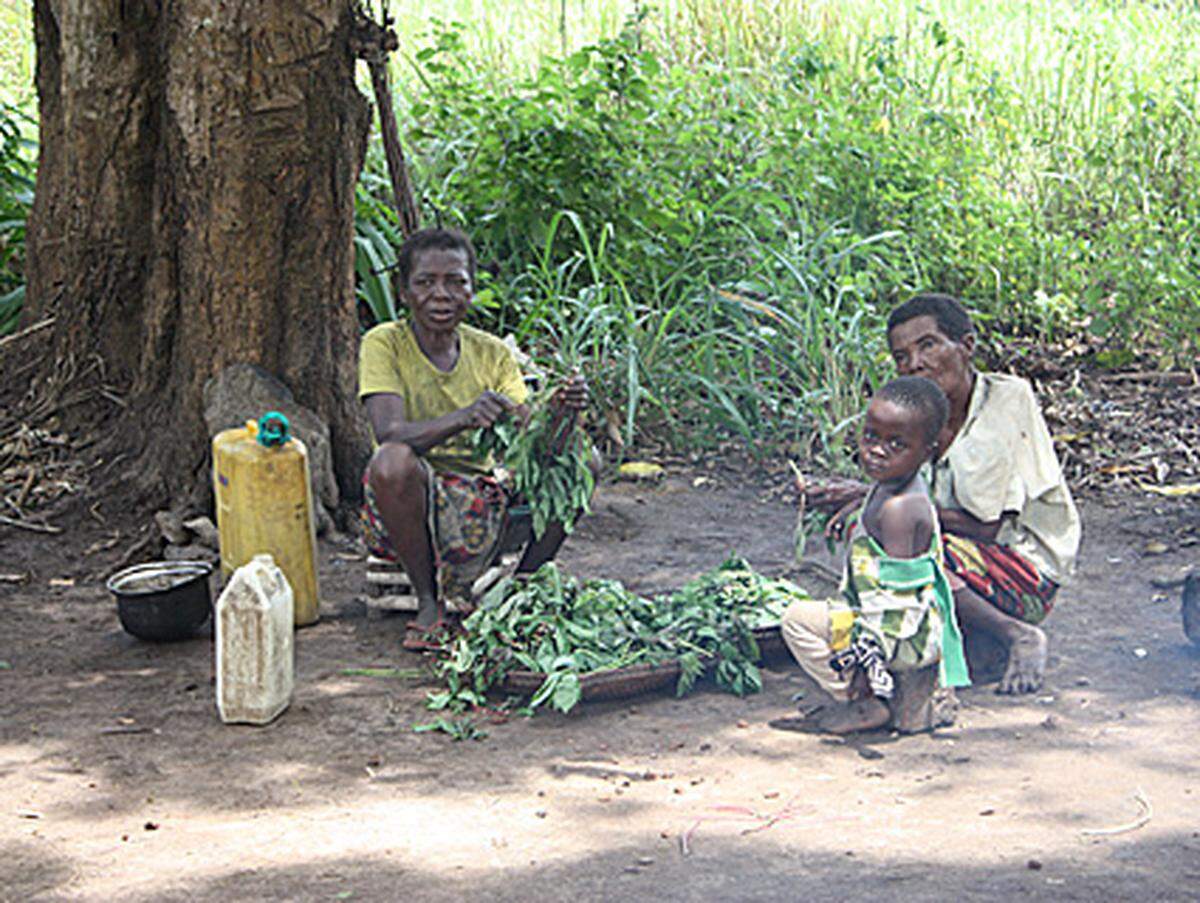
(1026, 645)
(861, 715)
(1027, 648)
(430, 611)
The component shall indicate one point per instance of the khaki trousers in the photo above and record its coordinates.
(808, 632)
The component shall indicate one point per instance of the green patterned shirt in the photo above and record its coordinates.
(904, 604)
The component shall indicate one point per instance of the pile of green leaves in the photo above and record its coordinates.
(549, 460)
(564, 628)
(718, 611)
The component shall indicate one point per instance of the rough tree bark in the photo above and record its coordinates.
(194, 208)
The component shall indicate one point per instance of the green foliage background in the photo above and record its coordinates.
(16, 197)
(714, 208)
(712, 205)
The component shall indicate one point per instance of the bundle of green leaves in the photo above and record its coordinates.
(553, 624)
(549, 461)
(718, 611)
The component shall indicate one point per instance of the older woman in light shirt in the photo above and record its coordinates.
(1010, 526)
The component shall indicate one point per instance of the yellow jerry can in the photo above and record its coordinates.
(265, 507)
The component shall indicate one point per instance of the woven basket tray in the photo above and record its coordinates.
(770, 643)
(621, 683)
(617, 683)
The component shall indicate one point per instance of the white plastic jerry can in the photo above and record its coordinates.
(254, 644)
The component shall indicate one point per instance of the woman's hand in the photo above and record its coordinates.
(836, 528)
(572, 395)
(834, 495)
(486, 409)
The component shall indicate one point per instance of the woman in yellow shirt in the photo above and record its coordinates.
(427, 383)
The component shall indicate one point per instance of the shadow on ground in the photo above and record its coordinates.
(723, 869)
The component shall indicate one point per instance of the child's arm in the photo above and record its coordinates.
(906, 525)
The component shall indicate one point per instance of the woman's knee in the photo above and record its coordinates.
(395, 469)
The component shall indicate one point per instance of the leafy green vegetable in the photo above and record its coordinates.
(812, 523)
(549, 460)
(553, 624)
(457, 728)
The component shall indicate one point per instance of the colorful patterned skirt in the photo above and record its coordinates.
(1000, 576)
(466, 519)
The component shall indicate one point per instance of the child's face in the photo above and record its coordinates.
(892, 445)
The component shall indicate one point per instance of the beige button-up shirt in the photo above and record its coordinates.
(1002, 466)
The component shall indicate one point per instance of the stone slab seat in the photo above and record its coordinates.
(389, 589)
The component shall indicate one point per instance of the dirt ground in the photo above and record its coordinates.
(340, 799)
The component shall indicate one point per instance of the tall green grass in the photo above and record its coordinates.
(16, 199)
(18, 128)
(17, 55)
(1067, 58)
(747, 187)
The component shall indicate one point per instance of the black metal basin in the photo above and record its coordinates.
(163, 601)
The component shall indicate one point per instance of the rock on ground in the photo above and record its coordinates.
(244, 392)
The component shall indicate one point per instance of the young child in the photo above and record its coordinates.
(896, 611)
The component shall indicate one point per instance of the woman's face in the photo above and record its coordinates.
(919, 348)
(439, 289)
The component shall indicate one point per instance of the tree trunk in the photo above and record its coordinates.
(194, 208)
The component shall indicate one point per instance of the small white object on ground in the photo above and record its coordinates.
(1141, 821)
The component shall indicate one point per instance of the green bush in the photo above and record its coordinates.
(717, 239)
(16, 198)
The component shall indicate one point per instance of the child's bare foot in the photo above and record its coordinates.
(1026, 661)
(860, 715)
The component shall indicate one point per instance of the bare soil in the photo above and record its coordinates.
(118, 781)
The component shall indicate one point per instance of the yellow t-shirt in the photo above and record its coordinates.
(391, 361)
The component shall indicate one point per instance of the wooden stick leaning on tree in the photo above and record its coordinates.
(373, 42)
